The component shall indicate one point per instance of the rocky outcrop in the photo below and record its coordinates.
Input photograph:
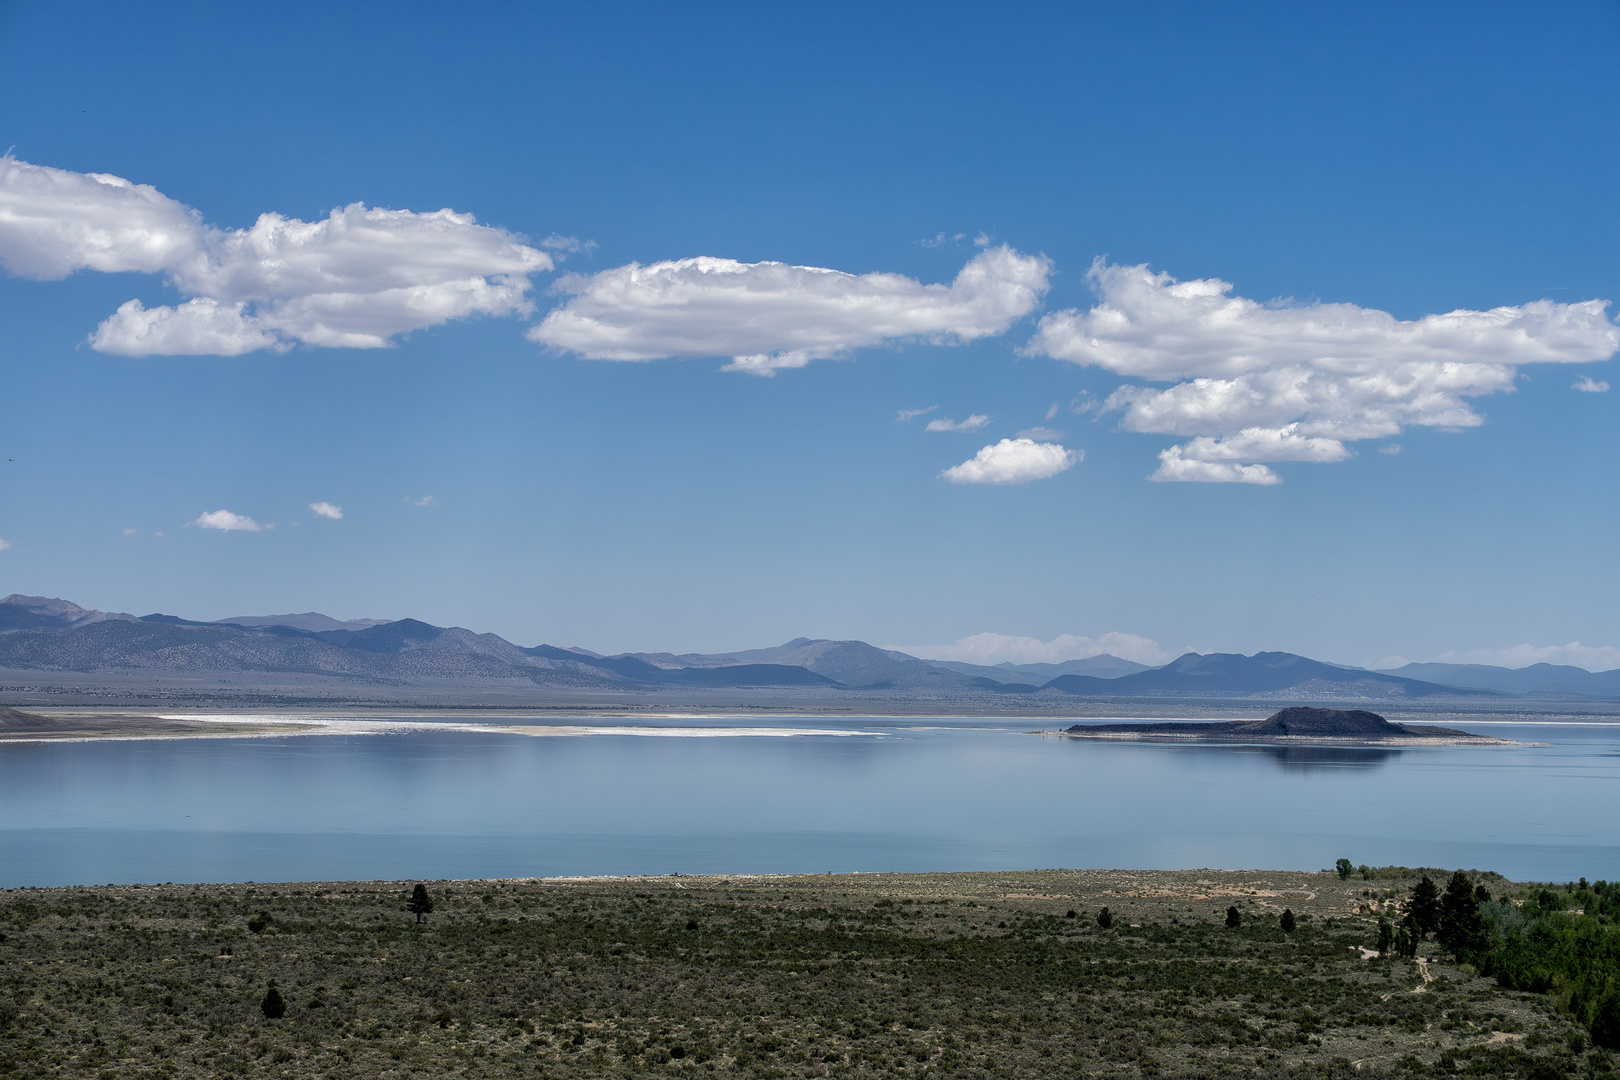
(1297, 724)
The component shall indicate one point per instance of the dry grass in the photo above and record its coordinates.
(970, 975)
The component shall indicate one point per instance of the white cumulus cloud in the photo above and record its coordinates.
(1174, 467)
(327, 510)
(1590, 657)
(1013, 461)
(225, 521)
(770, 315)
(976, 422)
(1588, 385)
(356, 278)
(1256, 382)
(992, 649)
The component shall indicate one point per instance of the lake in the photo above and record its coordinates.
(791, 795)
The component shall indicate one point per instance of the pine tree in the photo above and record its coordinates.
(420, 903)
(274, 1005)
(1461, 928)
(1288, 921)
(1233, 919)
(1105, 918)
(1424, 907)
(1345, 869)
(1386, 936)
(1406, 942)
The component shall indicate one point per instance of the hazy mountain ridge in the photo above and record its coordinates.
(1103, 666)
(309, 620)
(19, 612)
(41, 634)
(1558, 679)
(1199, 674)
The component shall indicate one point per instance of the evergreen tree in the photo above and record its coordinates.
(1345, 869)
(1105, 918)
(1424, 907)
(274, 1005)
(420, 904)
(1386, 936)
(1288, 921)
(1233, 919)
(1461, 928)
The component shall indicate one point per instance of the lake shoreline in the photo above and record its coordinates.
(124, 724)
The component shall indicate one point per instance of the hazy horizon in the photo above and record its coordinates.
(994, 649)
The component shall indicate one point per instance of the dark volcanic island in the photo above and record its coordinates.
(1293, 726)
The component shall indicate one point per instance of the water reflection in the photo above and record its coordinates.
(1313, 758)
(1290, 758)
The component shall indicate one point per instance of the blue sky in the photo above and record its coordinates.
(1333, 472)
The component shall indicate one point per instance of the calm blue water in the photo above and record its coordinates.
(904, 795)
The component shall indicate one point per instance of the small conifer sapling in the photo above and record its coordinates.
(1233, 919)
(1288, 921)
(420, 904)
(273, 1005)
(1105, 918)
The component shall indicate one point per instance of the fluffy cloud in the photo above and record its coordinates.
(1219, 461)
(327, 510)
(4, 545)
(202, 326)
(1590, 657)
(1288, 382)
(1005, 648)
(1013, 461)
(1174, 467)
(53, 222)
(225, 521)
(354, 279)
(976, 422)
(769, 315)
(1588, 385)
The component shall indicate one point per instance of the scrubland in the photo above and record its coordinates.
(949, 975)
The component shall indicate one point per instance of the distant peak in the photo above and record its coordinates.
(309, 620)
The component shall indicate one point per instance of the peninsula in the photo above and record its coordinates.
(19, 726)
(1293, 726)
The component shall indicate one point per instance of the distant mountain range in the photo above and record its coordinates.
(1542, 680)
(39, 634)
